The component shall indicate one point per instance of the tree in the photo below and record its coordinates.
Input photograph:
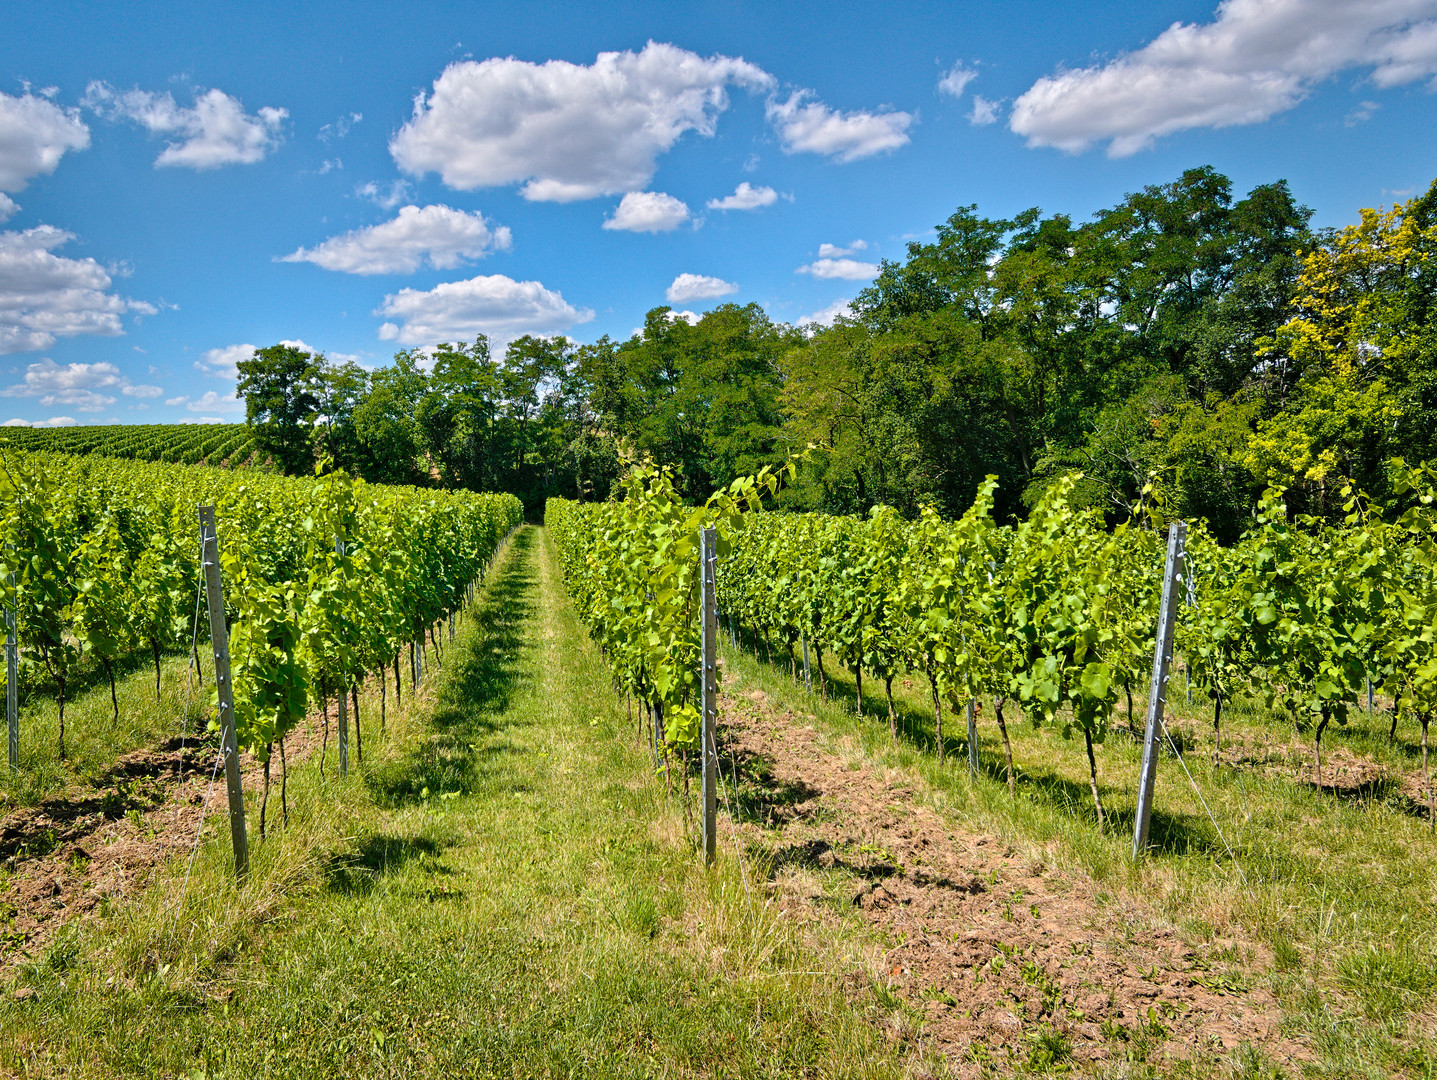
(281, 390)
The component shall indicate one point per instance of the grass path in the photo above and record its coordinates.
(504, 890)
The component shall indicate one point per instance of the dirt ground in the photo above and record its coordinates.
(80, 850)
(1008, 960)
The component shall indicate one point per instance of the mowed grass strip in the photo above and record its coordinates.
(504, 889)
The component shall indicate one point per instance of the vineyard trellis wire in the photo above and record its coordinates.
(1053, 615)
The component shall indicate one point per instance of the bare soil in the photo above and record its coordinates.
(1008, 960)
(79, 851)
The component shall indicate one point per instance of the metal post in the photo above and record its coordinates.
(807, 674)
(343, 739)
(220, 638)
(708, 557)
(973, 739)
(12, 682)
(1157, 696)
(1369, 697)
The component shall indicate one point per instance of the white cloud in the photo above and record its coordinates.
(87, 387)
(745, 197)
(841, 269)
(385, 200)
(443, 236)
(340, 128)
(983, 112)
(44, 296)
(34, 136)
(494, 305)
(956, 80)
(648, 211)
(833, 251)
(209, 401)
(215, 131)
(1256, 59)
(8, 207)
(812, 126)
(1361, 114)
(54, 421)
(688, 287)
(693, 318)
(566, 131)
(221, 362)
(826, 316)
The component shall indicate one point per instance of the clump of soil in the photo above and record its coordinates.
(1008, 960)
(78, 851)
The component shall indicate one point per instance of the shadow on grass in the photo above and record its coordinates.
(1178, 834)
(357, 872)
(474, 694)
(760, 796)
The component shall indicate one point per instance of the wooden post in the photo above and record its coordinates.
(807, 674)
(973, 739)
(343, 739)
(1157, 697)
(12, 683)
(220, 638)
(708, 557)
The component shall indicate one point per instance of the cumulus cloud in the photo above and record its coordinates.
(215, 131)
(832, 263)
(648, 211)
(86, 387)
(833, 251)
(209, 401)
(496, 305)
(54, 421)
(745, 197)
(827, 316)
(1257, 58)
(567, 131)
(439, 235)
(44, 296)
(35, 134)
(956, 80)
(983, 112)
(8, 207)
(688, 287)
(811, 126)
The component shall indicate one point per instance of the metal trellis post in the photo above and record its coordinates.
(708, 557)
(220, 638)
(1157, 696)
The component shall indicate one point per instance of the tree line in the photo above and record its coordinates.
(1182, 350)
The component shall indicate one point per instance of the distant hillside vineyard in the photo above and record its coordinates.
(228, 445)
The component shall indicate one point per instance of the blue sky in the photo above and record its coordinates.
(179, 183)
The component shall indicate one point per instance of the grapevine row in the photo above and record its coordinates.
(325, 578)
(1053, 616)
(182, 444)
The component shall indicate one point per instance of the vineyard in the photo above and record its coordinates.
(910, 863)
(1052, 617)
(181, 444)
(325, 579)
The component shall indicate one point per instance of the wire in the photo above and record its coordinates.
(199, 831)
(1181, 761)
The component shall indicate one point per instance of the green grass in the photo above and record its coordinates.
(1340, 887)
(504, 889)
(94, 736)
